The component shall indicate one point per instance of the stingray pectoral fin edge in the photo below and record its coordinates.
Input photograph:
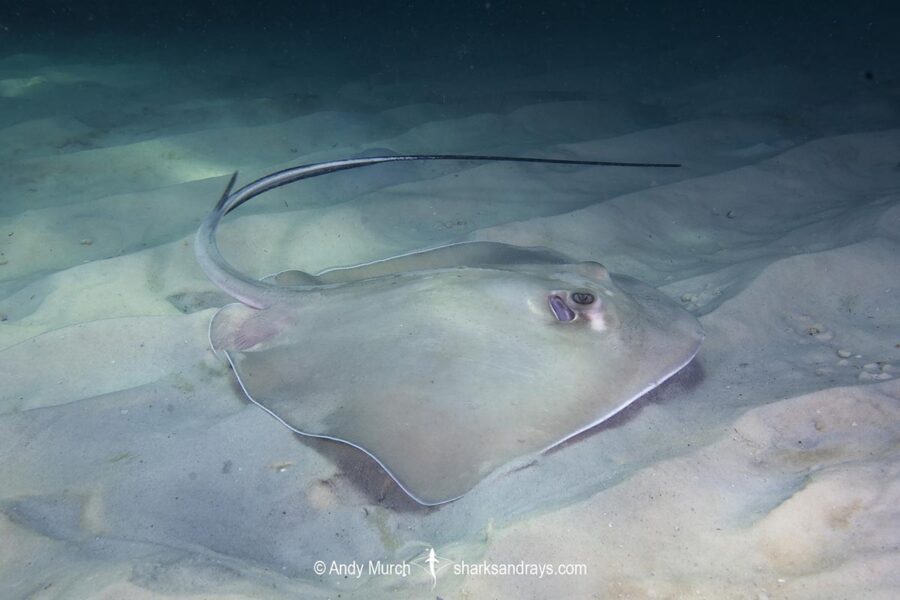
(384, 467)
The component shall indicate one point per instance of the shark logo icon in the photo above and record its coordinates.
(432, 564)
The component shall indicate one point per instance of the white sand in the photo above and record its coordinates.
(132, 467)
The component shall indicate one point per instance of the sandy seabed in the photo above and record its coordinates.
(131, 466)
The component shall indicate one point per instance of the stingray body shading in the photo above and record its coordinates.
(446, 363)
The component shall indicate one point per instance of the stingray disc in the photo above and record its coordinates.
(444, 375)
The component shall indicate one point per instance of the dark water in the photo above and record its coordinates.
(470, 35)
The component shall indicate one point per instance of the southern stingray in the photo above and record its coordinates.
(443, 364)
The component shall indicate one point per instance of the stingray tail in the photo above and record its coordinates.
(260, 294)
(269, 182)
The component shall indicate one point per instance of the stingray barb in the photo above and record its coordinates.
(445, 363)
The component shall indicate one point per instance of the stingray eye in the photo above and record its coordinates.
(560, 310)
(583, 298)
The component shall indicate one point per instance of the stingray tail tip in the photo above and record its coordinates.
(227, 192)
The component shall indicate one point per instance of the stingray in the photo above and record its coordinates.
(446, 363)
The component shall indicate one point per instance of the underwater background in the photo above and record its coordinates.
(133, 466)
